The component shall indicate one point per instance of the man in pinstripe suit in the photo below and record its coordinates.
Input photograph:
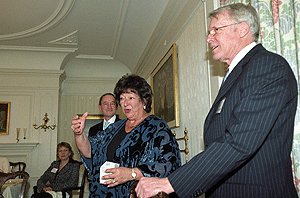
(248, 132)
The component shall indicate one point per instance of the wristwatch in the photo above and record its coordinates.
(133, 174)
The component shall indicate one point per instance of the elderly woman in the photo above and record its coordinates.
(143, 145)
(62, 173)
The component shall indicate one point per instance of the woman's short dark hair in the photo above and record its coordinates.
(137, 85)
(67, 145)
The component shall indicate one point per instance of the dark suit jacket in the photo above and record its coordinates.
(98, 127)
(248, 142)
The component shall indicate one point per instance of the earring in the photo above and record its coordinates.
(144, 107)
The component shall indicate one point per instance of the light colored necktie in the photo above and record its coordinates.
(106, 125)
(226, 75)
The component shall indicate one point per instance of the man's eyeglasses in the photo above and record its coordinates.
(216, 30)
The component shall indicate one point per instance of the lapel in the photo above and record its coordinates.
(231, 80)
(101, 126)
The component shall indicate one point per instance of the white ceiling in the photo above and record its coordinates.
(101, 29)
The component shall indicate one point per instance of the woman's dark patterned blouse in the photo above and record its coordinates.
(151, 147)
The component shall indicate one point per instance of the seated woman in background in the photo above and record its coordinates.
(62, 173)
(143, 145)
(4, 165)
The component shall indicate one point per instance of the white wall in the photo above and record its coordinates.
(198, 75)
(32, 93)
(193, 82)
(199, 78)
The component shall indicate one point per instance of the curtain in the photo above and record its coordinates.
(280, 33)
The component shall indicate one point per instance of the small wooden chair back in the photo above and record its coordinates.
(21, 166)
(80, 187)
(6, 176)
(17, 166)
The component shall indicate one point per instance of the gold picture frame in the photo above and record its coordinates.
(91, 120)
(4, 117)
(164, 82)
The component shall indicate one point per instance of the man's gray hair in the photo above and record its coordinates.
(241, 13)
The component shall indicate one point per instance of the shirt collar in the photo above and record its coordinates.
(240, 56)
(111, 120)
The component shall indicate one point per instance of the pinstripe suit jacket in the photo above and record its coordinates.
(248, 134)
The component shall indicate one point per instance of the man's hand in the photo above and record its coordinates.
(151, 186)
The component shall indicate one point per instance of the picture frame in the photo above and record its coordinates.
(4, 117)
(91, 120)
(164, 82)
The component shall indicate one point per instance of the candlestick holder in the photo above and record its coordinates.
(44, 126)
(24, 131)
(18, 134)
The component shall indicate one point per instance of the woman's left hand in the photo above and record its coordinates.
(117, 176)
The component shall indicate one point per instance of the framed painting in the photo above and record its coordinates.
(164, 82)
(4, 117)
(91, 120)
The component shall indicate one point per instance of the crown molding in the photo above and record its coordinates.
(37, 49)
(97, 57)
(120, 24)
(91, 79)
(34, 72)
(58, 15)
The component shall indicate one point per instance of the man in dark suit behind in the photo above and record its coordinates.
(248, 132)
(108, 106)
